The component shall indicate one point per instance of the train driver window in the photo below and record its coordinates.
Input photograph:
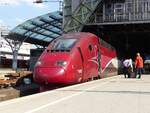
(64, 44)
(90, 48)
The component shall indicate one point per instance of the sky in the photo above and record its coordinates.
(15, 12)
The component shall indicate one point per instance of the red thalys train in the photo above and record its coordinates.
(74, 58)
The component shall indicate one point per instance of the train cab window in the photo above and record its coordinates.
(90, 47)
(63, 44)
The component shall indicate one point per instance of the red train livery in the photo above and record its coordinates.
(74, 58)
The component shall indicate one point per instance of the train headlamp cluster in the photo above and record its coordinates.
(61, 63)
(38, 63)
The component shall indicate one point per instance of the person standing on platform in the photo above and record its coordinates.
(128, 67)
(139, 65)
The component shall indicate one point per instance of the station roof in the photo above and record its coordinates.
(40, 30)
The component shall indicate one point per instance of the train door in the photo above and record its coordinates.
(96, 54)
(99, 63)
(93, 60)
(80, 68)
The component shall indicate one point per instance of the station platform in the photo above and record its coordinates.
(109, 95)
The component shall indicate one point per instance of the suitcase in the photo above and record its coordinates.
(132, 75)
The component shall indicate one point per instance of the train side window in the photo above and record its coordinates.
(90, 48)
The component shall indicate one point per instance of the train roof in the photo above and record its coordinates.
(78, 35)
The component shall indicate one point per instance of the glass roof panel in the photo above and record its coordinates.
(37, 20)
(47, 18)
(19, 30)
(28, 24)
(47, 39)
(39, 37)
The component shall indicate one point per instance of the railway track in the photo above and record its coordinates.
(14, 79)
(12, 85)
(16, 92)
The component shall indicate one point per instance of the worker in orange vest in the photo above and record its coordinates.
(139, 64)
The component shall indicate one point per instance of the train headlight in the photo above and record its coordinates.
(61, 63)
(38, 63)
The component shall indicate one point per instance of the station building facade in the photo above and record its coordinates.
(101, 11)
(124, 10)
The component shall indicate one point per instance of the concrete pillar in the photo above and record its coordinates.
(15, 61)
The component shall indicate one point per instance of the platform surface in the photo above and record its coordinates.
(109, 95)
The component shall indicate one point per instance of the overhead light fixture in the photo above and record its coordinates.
(41, 1)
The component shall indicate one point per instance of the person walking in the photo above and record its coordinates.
(139, 65)
(128, 67)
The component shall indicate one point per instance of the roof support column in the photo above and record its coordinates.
(15, 61)
(15, 46)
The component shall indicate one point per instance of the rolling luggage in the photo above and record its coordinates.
(132, 75)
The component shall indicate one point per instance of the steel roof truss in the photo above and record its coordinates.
(45, 28)
(35, 31)
(57, 26)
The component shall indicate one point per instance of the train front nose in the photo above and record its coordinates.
(49, 75)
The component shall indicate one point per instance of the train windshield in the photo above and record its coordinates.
(63, 44)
